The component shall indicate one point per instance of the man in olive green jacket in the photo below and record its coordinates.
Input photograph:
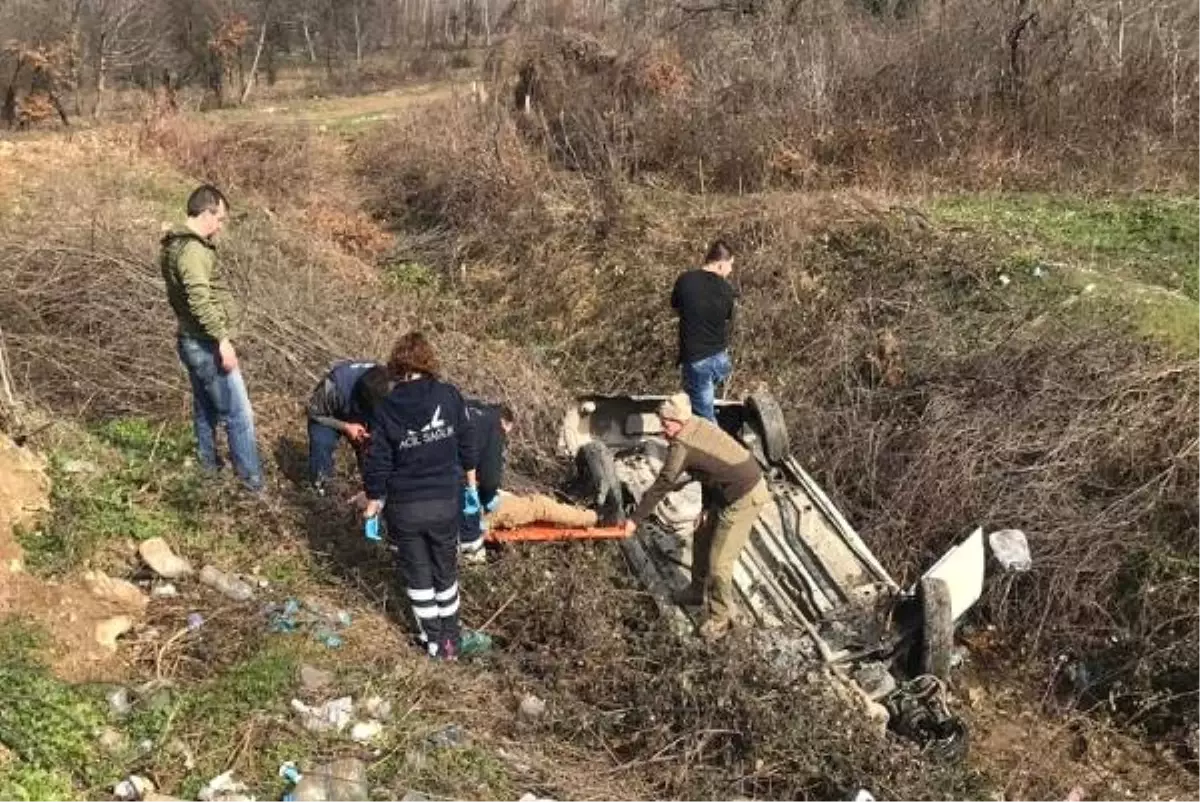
(736, 493)
(199, 295)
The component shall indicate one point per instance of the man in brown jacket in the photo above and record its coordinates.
(735, 494)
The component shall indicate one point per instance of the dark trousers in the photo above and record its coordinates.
(470, 530)
(426, 537)
(322, 443)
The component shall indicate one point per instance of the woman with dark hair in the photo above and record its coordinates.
(420, 453)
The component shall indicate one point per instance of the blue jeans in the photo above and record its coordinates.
(700, 380)
(220, 399)
(322, 443)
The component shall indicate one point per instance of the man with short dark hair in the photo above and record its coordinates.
(336, 409)
(703, 299)
(491, 424)
(199, 294)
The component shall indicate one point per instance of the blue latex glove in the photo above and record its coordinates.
(371, 528)
(471, 501)
(493, 504)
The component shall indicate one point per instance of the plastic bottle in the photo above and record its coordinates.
(227, 584)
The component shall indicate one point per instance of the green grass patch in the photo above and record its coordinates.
(128, 478)
(1134, 259)
(49, 725)
(213, 717)
(25, 783)
(1151, 239)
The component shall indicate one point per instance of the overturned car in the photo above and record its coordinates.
(805, 574)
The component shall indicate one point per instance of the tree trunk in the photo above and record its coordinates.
(487, 23)
(427, 23)
(312, 53)
(101, 74)
(357, 38)
(262, 38)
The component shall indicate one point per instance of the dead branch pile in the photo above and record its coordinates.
(87, 327)
(691, 722)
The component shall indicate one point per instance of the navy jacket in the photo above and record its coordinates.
(421, 444)
(332, 402)
(490, 442)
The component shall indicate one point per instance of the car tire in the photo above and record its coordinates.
(772, 429)
(937, 628)
(597, 467)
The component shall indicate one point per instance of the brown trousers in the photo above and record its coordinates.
(514, 511)
(716, 545)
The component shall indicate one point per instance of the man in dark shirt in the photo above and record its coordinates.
(333, 413)
(704, 300)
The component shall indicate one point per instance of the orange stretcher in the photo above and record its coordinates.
(546, 534)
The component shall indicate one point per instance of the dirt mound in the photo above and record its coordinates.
(71, 611)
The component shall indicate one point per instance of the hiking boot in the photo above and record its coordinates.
(691, 596)
(714, 629)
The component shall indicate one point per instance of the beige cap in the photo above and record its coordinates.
(677, 407)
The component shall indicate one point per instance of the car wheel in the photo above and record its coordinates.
(937, 628)
(768, 417)
(597, 467)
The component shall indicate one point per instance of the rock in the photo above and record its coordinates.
(228, 584)
(108, 630)
(531, 707)
(179, 749)
(1193, 742)
(80, 466)
(111, 740)
(223, 788)
(115, 590)
(415, 796)
(134, 786)
(529, 796)
(315, 679)
(158, 555)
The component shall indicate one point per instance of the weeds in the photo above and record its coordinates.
(128, 482)
(49, 725)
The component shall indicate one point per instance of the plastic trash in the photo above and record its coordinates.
(223, 788)
(331, 716)
(473, 643)
(447, 737)
(342, 779)
(365, 731)
(227, 584)
(164, 591)
(327, 637)
(863, 795)
(118, 701)
(1011, 549)
(194, 621)
(290, 772)
(371, 529)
